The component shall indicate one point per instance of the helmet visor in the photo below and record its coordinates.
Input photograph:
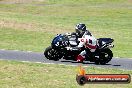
(79, 31)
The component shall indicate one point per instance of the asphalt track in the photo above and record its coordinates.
(119, 63)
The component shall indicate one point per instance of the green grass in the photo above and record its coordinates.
(38, 22)
(21, 40)
(15, 74)
(33, 24)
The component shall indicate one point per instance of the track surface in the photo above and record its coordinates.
(121, 63)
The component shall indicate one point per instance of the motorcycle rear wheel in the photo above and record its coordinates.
(105, 56)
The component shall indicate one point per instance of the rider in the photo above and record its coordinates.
(86, 39)
(81, 30)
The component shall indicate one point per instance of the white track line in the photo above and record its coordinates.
(51, 63)
(40, 52)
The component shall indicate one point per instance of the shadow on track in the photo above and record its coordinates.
(116, 65)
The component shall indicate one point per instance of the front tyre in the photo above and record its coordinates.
(105, 56)
(52, 54)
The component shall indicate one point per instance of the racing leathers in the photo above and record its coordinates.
(89, 42)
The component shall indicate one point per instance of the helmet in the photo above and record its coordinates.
(80, 28)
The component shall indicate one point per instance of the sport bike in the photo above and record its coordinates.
(59, 44)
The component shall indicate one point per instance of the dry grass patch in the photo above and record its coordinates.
(17, 1)
(20, 1)
(31, 27)
(16, 25)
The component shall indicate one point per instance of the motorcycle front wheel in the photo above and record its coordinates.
(52, 54)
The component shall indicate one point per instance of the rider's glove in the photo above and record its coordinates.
(68, 34)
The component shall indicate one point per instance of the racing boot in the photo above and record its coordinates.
(80, 58)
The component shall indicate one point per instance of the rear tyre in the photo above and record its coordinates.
(52, 54)
(105, 56)
(97, 62)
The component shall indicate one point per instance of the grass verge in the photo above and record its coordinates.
(15, 74)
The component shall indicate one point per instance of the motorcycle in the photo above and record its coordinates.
(58, 49)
